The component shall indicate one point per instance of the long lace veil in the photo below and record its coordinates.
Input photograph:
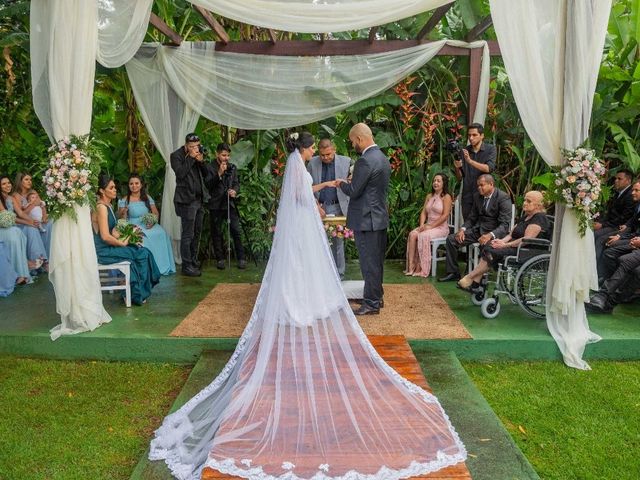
(305, 395)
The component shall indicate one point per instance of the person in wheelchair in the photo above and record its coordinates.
(533, 224)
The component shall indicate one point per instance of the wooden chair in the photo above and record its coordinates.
(110, 280)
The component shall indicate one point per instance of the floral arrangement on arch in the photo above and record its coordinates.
(338, 231)
(71, 176)
(129, 232)
(578, 185)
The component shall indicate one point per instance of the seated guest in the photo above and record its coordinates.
(489, 219)
(23, 240)
(619, 210)
(620, 245)
(621, 285)
(433, 224)
(23, 185)
(132, 208)
(532, 224)
(9, 278)
(110, 249)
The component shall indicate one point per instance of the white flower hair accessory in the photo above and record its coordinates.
(294, 136)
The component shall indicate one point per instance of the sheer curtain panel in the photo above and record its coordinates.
(552, 51)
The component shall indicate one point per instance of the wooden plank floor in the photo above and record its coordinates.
(395, 350)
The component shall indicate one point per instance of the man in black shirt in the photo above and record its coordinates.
(224, 186)
(191, 194)
(474, 160)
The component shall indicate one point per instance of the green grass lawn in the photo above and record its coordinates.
(80, 420)
(570, 424)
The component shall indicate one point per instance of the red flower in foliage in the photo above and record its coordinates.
(396, 161)
(278, 162)
(408, 108)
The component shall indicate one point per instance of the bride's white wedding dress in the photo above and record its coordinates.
(305, 395)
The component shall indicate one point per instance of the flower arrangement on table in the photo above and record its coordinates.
(7, 219)
(149, 219)
(578, 185)
(129, 232)
(338, 231)
(71, 176)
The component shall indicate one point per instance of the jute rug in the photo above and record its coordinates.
(416, 311)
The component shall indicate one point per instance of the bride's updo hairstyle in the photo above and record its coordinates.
(299, 140)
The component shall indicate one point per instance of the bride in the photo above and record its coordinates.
(305, 395)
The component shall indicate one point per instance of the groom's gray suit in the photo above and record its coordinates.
(368, 217)
(339, 209)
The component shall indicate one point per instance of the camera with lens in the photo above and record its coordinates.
(453, 146)
(203, 150)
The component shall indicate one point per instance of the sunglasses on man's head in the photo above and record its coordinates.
(193, 138)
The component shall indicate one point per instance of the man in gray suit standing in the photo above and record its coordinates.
(368, 215)
(325, 167)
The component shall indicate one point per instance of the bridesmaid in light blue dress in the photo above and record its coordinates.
(132, 207)
(8, 276)
(23, 241)
(23, 186)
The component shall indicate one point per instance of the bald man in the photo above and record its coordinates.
(368, 215)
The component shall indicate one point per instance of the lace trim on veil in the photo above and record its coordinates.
(179, 421)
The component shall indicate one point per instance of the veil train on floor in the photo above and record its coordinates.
(305, 395)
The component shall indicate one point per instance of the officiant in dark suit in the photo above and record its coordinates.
(325, 167)
(368, 215)
(489, 219)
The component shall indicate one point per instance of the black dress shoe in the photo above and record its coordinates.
(599, 303)
(366, 310)
(197, 264)
(242, 264)
(360, 301)
(449, 277)
(191, 272)
(220, 265)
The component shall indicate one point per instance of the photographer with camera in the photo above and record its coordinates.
(190, 196)
(224, 185)
(470, 162)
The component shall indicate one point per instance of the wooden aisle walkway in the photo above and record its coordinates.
(395, 350)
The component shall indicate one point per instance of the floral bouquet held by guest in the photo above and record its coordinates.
(149, 220)
(7, 219)
(127, 232)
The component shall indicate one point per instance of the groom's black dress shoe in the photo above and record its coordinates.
(360, 301)
(190, 271)
(366, 310)
(449, 277)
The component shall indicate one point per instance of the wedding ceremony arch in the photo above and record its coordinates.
(551, 50)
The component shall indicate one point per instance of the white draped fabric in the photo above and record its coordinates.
(552, 51)
(66, 39)
(262, 91)
(305, 395)
(314, 16)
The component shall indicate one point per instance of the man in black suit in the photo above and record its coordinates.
(191, 194)
(621, 265)
(224, 187)
(619, 210)
(489, 219)
(621, 250)
(368, 215)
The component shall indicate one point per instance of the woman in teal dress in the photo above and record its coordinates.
(132, 207)
(110, 249)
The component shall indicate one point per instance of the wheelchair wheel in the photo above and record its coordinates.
(490, 307)
(478, 297)
(531, 285)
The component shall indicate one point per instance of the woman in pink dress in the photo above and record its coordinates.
(433, 224)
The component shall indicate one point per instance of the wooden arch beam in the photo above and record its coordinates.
(435, 18)
(214, 24)
(479, 29)
(165, 29)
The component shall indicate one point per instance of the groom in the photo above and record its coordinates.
(367, 215)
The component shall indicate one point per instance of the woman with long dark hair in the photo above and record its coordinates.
(134, 207)
(22, 206)
(111, 249)
(433, 224)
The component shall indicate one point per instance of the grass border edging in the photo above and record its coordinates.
(493, 455)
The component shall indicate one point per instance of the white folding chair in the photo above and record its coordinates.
(110, 281)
